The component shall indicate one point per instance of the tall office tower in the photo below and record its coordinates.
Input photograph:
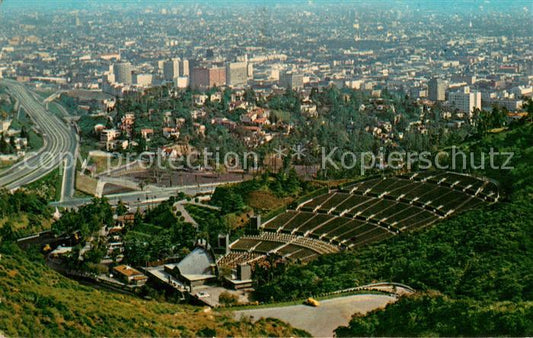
(204, 77)
(171, 69)
(250, 71)
(465, 100)
(236, 74)
(184, 68)
(437, 89)
(291, 80)
(161, 65)
(122, 72)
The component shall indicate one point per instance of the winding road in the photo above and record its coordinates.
(59, 147)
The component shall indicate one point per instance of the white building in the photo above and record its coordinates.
(236, 74)
(181, 82)
(143, 80)
(465, 100)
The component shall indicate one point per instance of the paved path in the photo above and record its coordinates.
(188, 218)
(323, 320)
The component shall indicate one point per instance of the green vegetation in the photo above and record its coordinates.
(25, 125)
(36, 301)
(87, 124)
(433, 314)
(54, 108)
(159, 234)
(22, 214)
(210, 223)
(278, 189)
(48, 187)
(480, 260)
(88, 219)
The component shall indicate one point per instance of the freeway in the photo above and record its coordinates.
(59, 147)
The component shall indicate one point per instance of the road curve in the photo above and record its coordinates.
(59, 141)
(323, 320)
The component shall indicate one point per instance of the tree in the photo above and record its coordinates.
(7, 232)
(227, 298)
(121, 208)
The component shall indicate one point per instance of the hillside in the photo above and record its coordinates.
(480, 261)
(437, 315)
(36, 301)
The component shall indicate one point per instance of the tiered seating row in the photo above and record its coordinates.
(280, 221)
(465, 183)
(333, 201)
(366, 212)
(272, 242)
(233, 259)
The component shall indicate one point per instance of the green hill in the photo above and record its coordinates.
(36, 301)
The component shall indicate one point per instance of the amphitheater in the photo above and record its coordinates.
(361, 213)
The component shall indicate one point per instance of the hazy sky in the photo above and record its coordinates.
(452, 5)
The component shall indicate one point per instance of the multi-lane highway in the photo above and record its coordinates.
(59, 145)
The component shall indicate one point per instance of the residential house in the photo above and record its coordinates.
(147, 133)
(129, 275)
(107, 135)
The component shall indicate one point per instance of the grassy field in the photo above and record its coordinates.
(86, 184)
(266, 200)
(25, 224)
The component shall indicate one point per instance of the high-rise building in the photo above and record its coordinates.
(171, 69)
(250, 71)
(437, 89)
(465, 100)
(291, 80)
(208, 77)
(184, 68)
(236, 74)
(122, 72)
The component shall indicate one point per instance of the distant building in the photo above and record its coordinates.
(181, 82)
(171, 69)
(4, 126)
(142, 79)
(236, 74)
(437, 89)
(184, 68)
(129, 275)
(468, 79)
(291, 80)
(107, 135)
(208, 77)
(196, 269)
(465, 100)
(510, 104)
(123, 73)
